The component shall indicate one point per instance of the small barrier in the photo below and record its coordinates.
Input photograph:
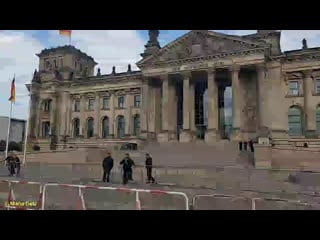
(162, 200)
(281, 204)
(24, 195)
(63, 196)
(20, 195)
(221, 202)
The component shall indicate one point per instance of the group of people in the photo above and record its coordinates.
(14, 164)
(127, 164)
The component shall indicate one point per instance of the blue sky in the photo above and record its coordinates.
(108, 47)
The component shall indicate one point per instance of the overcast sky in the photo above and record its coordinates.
(108, 47)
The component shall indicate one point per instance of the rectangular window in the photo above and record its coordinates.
(137, 100)
(47, 106)
(61, 62)
(77, 106)
(91, 104)
(294, 88)
(47, 63)
(121, 102)
(318, 86)
(105, 103)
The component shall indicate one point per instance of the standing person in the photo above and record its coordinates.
(107, 165)
(149, 168)
(17, 164)
(127, 164)
(11, 164)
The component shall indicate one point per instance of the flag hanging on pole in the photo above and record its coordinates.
(12, 98)
(66, 33)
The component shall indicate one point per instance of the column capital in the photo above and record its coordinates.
(145, 80)
(164, 77)
(261, 66)
(235, 68)
(186, 74)
(307, 73)
(211, 70)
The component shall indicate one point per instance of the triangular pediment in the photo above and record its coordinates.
(198, 43)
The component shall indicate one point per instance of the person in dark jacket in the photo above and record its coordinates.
(127, 164)
(149, 168)
(11, 162)
(107, 165)
(17, 164)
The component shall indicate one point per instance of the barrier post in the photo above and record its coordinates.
(253, 202)
(138, 205)
(83, 205)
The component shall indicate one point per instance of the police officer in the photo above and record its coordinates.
(107, 165)
(11, 162)
(149, 168)
(127, 164)
(17, 164)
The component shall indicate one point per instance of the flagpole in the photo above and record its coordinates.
(8, 133)
(27, 127)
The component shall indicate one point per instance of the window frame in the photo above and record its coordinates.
(121, 106)
(292, 90)
(77, 101)
(138, 96)
(107, 106)
(91, 100)
(317, 86)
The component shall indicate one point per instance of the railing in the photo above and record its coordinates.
(55, 196)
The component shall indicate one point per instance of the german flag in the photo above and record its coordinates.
(13, 91)
(66, 33)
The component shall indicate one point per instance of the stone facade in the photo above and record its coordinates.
(273, 90)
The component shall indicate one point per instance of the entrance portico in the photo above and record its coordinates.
(178, 104)
(198, 63)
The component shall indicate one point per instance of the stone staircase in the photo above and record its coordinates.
(196, 154)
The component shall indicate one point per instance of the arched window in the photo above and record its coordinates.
(295, 121)
(90, 127)
(318, 119)
(136, 125)
(76, 127)
(105, 127)
(121, 126)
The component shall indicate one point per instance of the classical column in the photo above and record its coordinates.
(172, 111)
(163, 136)
(157, 109)
(63, 113)
(53, 116)
(236, 102)
(112, 120)
(37, 118)
(185, 135)
(145, 94)
(309, 109)
(69, 115)
(192, 108)
(97, 120)
(262, 104)
(128, 114)
(82, 116)
(213, 108)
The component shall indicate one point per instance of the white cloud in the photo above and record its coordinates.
(290, 39)
(18, 49)
(109, 48)
(17, 57)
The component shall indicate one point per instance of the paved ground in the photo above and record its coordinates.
(262, 184)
